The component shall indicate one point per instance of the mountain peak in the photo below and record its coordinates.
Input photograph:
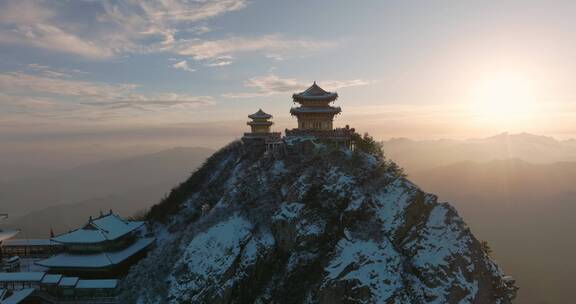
(330, 225)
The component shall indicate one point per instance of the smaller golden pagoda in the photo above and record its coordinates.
(260, 122)
(260, 135)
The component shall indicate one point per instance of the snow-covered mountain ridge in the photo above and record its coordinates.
(326, 226)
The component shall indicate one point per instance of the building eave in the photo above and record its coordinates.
(312, 110)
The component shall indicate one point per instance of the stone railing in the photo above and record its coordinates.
(343, 133)
(271, 135)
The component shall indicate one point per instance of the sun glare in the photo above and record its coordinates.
(506, 99)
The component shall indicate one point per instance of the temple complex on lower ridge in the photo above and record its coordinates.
(81, 266)
(103, 247)
(315, 115)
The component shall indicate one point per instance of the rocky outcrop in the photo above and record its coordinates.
(331, 226)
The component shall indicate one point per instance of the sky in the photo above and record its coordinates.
(187, 73)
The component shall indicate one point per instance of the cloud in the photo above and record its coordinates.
(23, 83)
(116, 26)
(32, 94)
(272, 85)
(198, 29)
(183, 65)
(211, 49)
(30, 23)
(151, 26)
(48, 71)
(220, 61)
(25, 102)
(142, 102)
(160, 13)
(136, 22)
(275, 57)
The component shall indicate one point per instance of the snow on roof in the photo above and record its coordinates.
(106, 228)
(21, 276)
(28, 242)
(96, 260)
(18, 296)
(68, 281)
(97, 284)
(7, 234)
(52, 279)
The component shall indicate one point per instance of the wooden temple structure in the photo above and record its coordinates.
(315, 113)
(260, 135)
(41, 287)
(104, 247)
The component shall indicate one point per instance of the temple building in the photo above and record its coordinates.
(315, 111)
(260, 123)
(260, 134)
(104, 247)
(316, 116)
(42, 287)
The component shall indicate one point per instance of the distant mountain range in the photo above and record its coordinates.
(507, 183)
(417, 155)
(527, 213)
(66, 199)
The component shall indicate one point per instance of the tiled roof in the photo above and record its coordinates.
(106, 228)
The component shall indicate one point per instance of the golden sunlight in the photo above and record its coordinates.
(506, 99)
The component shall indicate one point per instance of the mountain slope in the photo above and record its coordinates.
(330, 226)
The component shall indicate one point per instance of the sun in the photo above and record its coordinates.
(504, 98)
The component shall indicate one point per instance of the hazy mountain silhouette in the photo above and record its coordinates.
(526, 212)
(426, 154)
(41, 160)
(69, 197)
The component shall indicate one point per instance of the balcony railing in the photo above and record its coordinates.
(340, 133)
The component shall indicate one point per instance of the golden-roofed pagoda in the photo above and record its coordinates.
(260, 122)
(315, 111)
(316, 115)
(260, 135)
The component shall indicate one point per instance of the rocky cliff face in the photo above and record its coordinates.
(330, 226)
